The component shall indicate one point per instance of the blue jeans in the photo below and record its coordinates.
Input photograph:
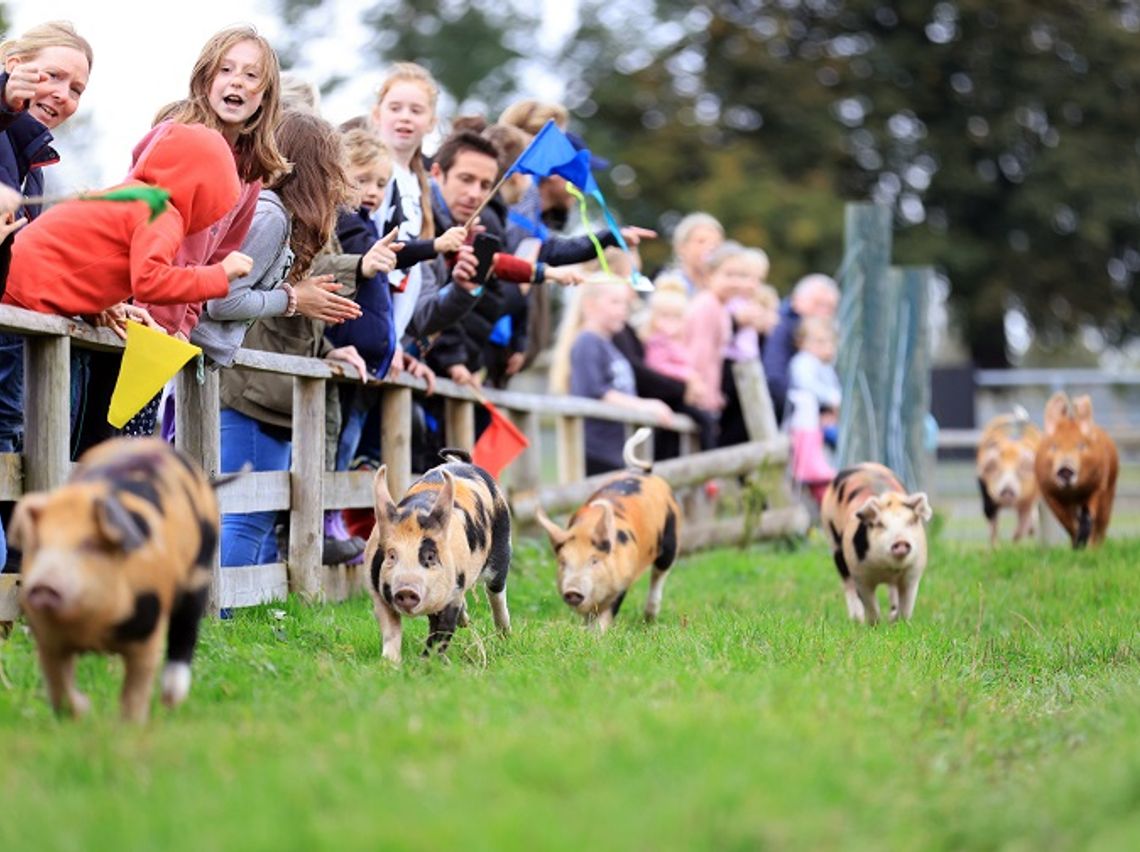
(248, 539)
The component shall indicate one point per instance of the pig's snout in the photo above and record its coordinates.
(1066, 475)
(407, 598)
(44, 598)
(900, 549)
(573, 598)
(1008, 494)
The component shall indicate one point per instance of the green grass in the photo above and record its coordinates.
(752, 716)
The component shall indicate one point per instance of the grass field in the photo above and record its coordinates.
(752, 716)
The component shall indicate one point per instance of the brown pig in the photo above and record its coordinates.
(118, 560)
(452, 528)
(628, 524)
(877, 536)
(1006, 455)
(1076, 466)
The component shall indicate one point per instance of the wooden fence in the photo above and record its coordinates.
(307, 490)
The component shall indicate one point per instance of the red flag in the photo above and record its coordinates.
(499, 445)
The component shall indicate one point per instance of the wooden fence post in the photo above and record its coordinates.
(459, 423)
(396, 439)
(198, 434)
(866, 321)
(571, 449)
(307, 478)
(905, 449)
(47, 412)
(526, 472)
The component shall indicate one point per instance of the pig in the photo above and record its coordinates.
(452, 529)
(1005, 465)
(117, 560)
(877, 536)
(1076, 468)
(631, 522)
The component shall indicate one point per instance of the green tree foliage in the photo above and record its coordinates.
(1006, 137)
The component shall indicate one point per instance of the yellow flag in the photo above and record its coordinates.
(151, 359)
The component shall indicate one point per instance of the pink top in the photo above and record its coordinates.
(708, 329)
(668, 356)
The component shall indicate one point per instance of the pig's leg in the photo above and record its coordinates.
(59, 675)
(854, 605)
(870, 602)
(181, 640)
(604, 620)
(391, 629)
(908, 594)
(1101, 505)
(893, 594)
(1065, 515)
(141, 659)
(1024, 522)
(656, 588)
(441, 627)
(498, 564)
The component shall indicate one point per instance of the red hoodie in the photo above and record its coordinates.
(82, 257)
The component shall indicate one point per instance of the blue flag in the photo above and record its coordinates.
(551, 153)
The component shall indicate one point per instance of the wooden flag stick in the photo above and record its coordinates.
(486, 201)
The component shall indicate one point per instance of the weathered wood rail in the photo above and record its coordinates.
(307, 489)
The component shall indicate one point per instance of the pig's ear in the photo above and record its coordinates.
(1083, 413)
(603, 537)
(869, 511)
(1056, 409)
(920, 504)
(117, 525)
(25, 520)
(441, 510)
(381, 498)
(558, 536)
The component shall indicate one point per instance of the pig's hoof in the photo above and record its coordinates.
(175, 683)
(80, 705)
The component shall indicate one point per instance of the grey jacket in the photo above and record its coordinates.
(224, 321)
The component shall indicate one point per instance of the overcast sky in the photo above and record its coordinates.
(144, 52)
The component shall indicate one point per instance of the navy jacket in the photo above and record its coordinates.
(777, 355)
(373, 333)
(25, 147)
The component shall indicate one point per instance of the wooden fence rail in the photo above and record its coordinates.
(307, 489)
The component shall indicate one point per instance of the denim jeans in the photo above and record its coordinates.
(248, 539)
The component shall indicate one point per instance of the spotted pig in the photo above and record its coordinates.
(452, 528)
(118, 560)
(628, 524)
(1006, 478)
(877, 537)
(1076, 467)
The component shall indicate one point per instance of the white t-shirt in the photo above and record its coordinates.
(405, 186)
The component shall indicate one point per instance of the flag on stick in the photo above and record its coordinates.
(150, 360)
(500, 444)
(155, 197)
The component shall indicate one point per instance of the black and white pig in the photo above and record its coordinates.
(452, 528)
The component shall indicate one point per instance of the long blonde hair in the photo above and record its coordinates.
(573, 315)
(256, 152)
(411, 72)
(41, 36)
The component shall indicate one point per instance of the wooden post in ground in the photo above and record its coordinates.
(459, 423)
(905, 448)
(396, 439)
(526, 472)
(760, 423)
(198, 434)
(306, 487)
(47, 412)
(571, 449)
(867, 311)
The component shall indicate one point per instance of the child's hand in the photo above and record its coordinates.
(21, 88)
(350, 356)
(450, 240)
(515, 362)
(461, 375)
(567, 276)
(237, 265)
(658, 409)
(317, 299)
(420, 370)
(634, 235)
(9, 225)
(382, 256)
